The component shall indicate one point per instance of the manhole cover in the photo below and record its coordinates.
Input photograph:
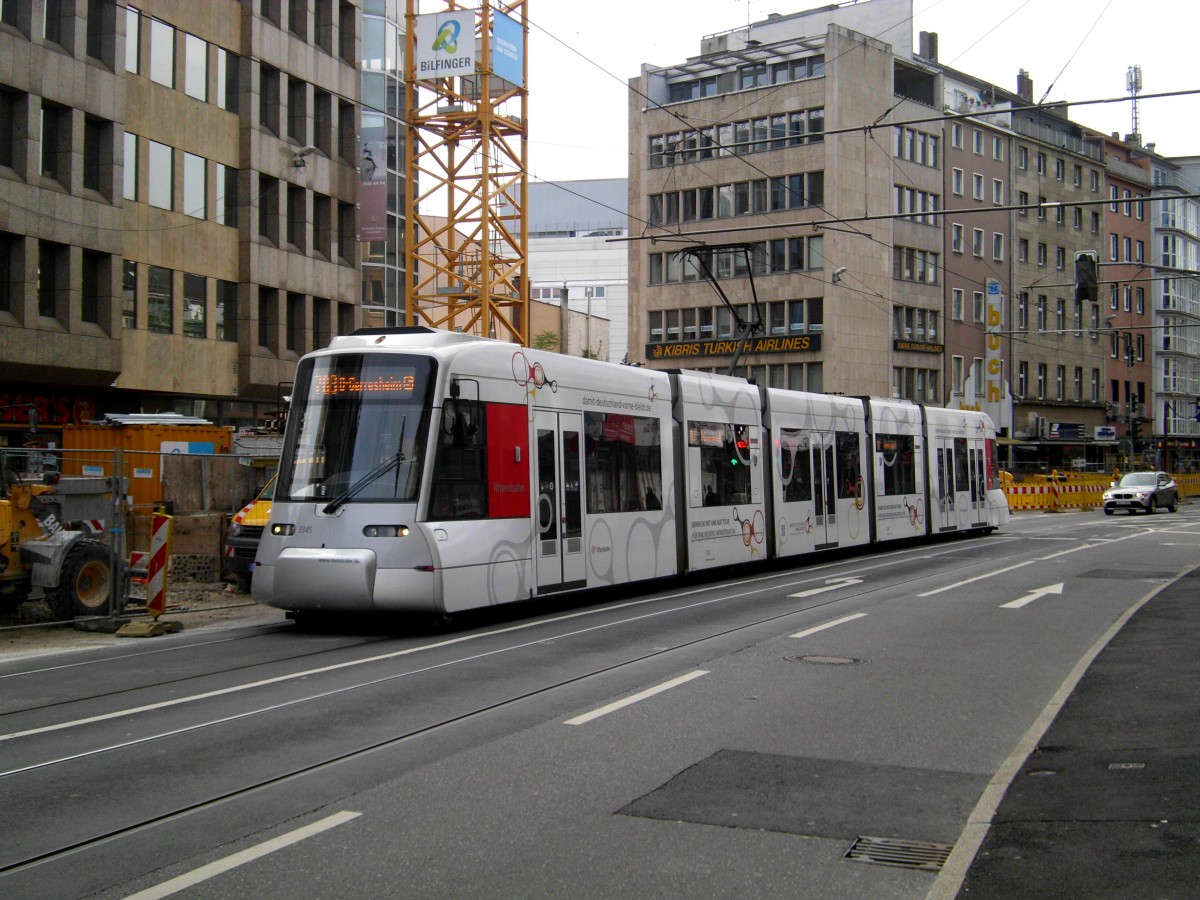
(825, 660)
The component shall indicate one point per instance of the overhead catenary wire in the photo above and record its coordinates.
(759, 96)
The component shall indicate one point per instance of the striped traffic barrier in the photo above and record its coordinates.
(160, 553)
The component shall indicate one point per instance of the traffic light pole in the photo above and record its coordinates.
(1167, 410)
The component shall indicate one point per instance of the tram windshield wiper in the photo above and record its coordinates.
(379, 471)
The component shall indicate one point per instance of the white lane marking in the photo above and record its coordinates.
(116, 714)
(831, 584)
(801, 634)
(220, 866)
(1033, 595)
(636, 698)
(266, 682)
(1029, 562)
(884, 560)
(991, 574)
(979, 822)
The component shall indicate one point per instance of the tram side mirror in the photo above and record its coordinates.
(33, 422)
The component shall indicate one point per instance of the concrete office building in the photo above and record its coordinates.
(571, 229)
(907, 260)
(1174, 295)
(785, 186)
(177, 202)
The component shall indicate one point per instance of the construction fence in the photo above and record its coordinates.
(200, 491)
(1073, 490)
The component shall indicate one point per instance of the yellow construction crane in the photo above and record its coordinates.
(466, 108)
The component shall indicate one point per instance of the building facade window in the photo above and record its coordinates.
(129, 294)
(98, 155)
(914, 264)
(133, 43)
(228, 74)
(295, 321)
(160, 299)
(95, 286)
(162, 53)
(53, 280)
(226, 199)
(268, 208)
(268, 317)
(56, 143)
(195, 306)
(268, 99)
(195, 67)
(227, 310)
(130, 187)
(160, 175)
(195, 186)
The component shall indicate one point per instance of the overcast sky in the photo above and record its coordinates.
(582, 54)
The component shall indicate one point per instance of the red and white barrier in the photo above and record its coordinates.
(160, 554)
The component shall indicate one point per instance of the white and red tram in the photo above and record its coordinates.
(430, 471)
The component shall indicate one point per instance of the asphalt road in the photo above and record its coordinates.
(701, 740)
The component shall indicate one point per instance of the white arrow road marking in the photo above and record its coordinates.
(831, 584)
(1033, 595)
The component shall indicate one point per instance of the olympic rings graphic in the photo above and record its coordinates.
(916, 512)
(753, 528)
(525, 374)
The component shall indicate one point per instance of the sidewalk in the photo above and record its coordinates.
(1108, 805)
(198, 605)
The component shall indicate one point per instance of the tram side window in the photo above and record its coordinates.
(897, 458)
(724, 462)
(962, 474)
(460, 463)
(848, 465)
(623, 462)
(795, 465)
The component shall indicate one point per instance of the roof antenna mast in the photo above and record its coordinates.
(1133, 84)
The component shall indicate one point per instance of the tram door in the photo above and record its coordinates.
(824, 473)
(978, 484)
(945, 513)
(558, 515)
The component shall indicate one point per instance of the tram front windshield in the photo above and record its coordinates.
(357, 429)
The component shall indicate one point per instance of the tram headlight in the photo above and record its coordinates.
(385, 531)
(283, 529)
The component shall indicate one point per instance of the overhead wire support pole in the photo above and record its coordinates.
(746, 329)
(466, 168)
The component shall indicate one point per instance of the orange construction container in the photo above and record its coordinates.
(89, 450)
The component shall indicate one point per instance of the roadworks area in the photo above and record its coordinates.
(31, 630)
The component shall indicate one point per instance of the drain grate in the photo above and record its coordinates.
(924, 855)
